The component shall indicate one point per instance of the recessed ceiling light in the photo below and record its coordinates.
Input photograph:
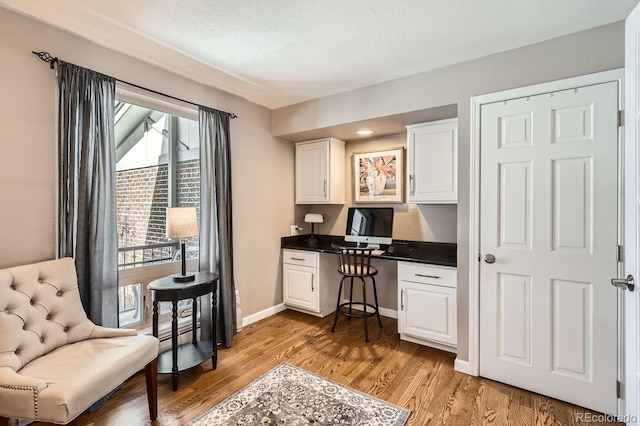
(364, 132)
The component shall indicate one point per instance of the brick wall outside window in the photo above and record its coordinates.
(142, 197)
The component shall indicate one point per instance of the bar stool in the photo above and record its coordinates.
(355, 262)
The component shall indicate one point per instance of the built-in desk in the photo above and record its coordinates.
(443, 254)
(418, 287)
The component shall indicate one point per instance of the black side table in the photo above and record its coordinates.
(188, 355)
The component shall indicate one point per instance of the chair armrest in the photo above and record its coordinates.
(19, 394)
(104, 332)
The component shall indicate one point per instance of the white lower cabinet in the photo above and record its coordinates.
(427, 305)
(307, 284)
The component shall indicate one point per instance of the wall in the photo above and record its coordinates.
(262, 165)
(595, 50)
(411, 221)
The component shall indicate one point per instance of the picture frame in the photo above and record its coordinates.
(378, 176)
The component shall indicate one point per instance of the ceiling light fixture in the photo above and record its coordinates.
(364, 132)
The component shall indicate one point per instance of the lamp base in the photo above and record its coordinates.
(183, 278)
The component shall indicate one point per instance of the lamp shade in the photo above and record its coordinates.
(182, 222)
(313, 218)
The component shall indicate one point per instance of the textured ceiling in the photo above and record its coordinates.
(281, 52)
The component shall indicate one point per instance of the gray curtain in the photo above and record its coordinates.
(87, 187)
(216, 239)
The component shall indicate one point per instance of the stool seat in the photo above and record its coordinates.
(355, 262)
(357, 270)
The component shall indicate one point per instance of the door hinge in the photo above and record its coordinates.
(619, 253)
(620, 118)
(618, 389)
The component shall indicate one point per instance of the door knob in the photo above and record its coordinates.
(489, 258)
(624, 283)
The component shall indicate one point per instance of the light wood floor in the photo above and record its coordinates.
(413, 376)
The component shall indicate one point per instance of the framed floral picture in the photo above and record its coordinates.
(378, 176)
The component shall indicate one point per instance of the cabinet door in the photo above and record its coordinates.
(312, 172)
(300, 287)
(432, 154)
(428, 312)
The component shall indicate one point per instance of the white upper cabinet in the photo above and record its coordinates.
(320, 172)
(432, 162)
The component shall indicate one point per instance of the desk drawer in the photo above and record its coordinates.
(427, 274)
(300, 257)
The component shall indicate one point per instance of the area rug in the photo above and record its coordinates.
(288, 395)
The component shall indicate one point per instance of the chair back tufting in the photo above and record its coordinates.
(40, 310)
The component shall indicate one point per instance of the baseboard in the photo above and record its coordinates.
(391, 313)
(385, 312)
(462, 366)
(263, 314)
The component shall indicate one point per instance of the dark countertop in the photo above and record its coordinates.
(443, 254)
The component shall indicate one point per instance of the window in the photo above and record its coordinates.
(157, 166)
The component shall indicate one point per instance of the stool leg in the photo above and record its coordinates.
(375, 295)
(350, 299)
(335, 319)
(364, 306)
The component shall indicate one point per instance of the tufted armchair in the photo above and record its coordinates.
(55, 362)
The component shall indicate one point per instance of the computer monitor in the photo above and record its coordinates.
(369, 225)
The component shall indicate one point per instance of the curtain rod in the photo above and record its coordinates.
(52, 60)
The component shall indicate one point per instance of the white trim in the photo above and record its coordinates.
(385, 312)
(390, 313)
(474, 190)
(462, 366)
(137, 96)
(263, 314)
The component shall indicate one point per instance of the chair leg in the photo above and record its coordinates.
(375, 295)
(151, 375)
(4, 421)
(350, 300)
(364, 307)
(335, 319)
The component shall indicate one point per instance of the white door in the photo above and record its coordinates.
(548, 209)
(632, 214)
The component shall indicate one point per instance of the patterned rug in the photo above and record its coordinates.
(288, 395)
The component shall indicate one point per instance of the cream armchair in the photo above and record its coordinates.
(55, 362)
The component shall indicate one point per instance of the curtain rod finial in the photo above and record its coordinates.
(46, 57)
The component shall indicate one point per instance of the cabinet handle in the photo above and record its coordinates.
(299, 259)
(412, 190)
(402, 299)
(313, 278)
(325, 188)
(428, 276)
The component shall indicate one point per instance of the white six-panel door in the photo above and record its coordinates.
(632, 215)
(548, 314)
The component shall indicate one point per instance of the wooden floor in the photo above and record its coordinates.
(413, 376)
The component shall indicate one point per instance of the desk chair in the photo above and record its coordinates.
(355, 262)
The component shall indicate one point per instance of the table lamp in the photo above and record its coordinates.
(313, 218)
(182, 222)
